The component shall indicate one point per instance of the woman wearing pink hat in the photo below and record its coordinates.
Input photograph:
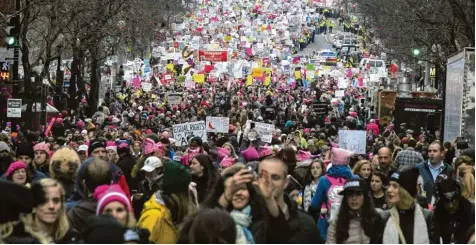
(41, 162)
(112, 201)
(18, 174)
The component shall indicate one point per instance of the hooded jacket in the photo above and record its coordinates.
(78, 215)
(156, 218)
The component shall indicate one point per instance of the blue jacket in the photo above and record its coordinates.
(323, 186)
(428, 182)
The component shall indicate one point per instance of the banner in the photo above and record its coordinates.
(185, 130)
(213, 56)
(353, 140)
(218, 124)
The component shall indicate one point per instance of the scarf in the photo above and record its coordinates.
(243, 220)
(420, 231)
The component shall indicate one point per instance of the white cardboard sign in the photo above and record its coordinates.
(353, 140)
(218, 124)
(184, 130)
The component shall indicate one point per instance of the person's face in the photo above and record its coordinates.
(77, 134)
(151, 175)
(111, 154)
(355, 200)
(82, 156)
(118, 211)
(376, 183)
(25, 159)
(384, 158)
(316, 170)
(451, 206)
(136, 147)
(241, 198)
(100, 153)
(40, 156)
(276, 174)
(365, 170)
(435, 154)
(19, 176)
(228, 148)
(196, 168)
(295, 195)
(393, 193)
(49, 211)
(84, 134)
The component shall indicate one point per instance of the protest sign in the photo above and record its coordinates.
(218, 124)
(340, 93)
(185, 130)
(146, 87)
(174, 98)
(353, 140)
(264, 130)
(213, 56)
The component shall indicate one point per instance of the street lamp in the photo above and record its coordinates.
(416, 52)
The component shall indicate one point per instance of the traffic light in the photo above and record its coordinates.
(11, 38)
(416, 52)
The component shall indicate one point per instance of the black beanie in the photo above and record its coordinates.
(25, 150)
(16, 199)
(96, 143)
(407, 179)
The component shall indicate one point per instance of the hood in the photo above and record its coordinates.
(340, 171)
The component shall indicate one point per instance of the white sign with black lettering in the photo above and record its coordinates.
(14, 108)
(264, 130)
(183, 131)
(218, 124)
(174, 98)
(353, 140)
(146, 87)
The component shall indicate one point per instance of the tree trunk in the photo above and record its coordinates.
(95, 80)
(73, 95)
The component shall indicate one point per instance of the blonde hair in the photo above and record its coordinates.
(406, 200)
(359, 164)
(6, 229)
(61, 226)
(468, 182)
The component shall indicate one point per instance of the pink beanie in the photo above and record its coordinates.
(222, 152)
(149, 146)
(227, 162)
(303, 155)
(265, 151)
(106, 194)
(41, 147)
(341, 156)
(353, 114)
(250, 154)
(111, 145)
(14, 167)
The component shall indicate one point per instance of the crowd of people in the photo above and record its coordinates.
(121, 177)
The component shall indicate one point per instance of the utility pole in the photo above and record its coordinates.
(16, 49)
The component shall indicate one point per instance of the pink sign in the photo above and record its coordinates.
(136, 82)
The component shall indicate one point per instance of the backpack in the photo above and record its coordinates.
(333, 198)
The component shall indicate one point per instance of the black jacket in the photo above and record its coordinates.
(300, 228)
(456, 226)
(71, 237)
(126, 163)
(78, 215)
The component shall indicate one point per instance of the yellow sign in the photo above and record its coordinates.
(228, 38)
(257, 72)
(249, 80)
(170, 67)
(297, 74)
(268, 71)
(267, 80)
(199, 78)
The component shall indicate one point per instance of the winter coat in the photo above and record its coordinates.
(126, 163)
(157, 219)
(320, 196)
(72, 236)
(299, 228)
(356, 233)
(418, 226)
(428, 182)
(454, 226)
(78, 215)
(147, 190)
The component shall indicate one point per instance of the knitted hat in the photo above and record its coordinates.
(16, 199)
(41, 147)
(407, 179)
(222, 152)
(176, 178)
(106, 194)
(14, 167)
(250, 154)
(64, 164)
(265, 151)
(4, 146)
(341, 156)
(96, 143)
(123, 148)
(111, 145)
(447, 188)
(149, 146)
(227, 162)
(197, 140)
(25, 150)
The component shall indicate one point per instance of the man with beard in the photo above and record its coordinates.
(454, 214)
(5, 157)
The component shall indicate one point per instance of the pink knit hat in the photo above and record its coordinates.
(111, 145)
(303, 155)
(14, 167)
(250, 154)
(353, 114)
(149, 146)
(222, 152)
(41, 147)
(265, 151)
(341, 156)
(106, 194)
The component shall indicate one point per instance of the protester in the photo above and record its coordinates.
(49, 214)
(153, 169)
(105, 229)
(41, 161)
(204, 174)
(315, 171)
(18, 174)
(112, 201)
(385, 161)
(378, 185)
(453, 213)
(406, 221)
(64, 168)
(357, 221)
(363, 168)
